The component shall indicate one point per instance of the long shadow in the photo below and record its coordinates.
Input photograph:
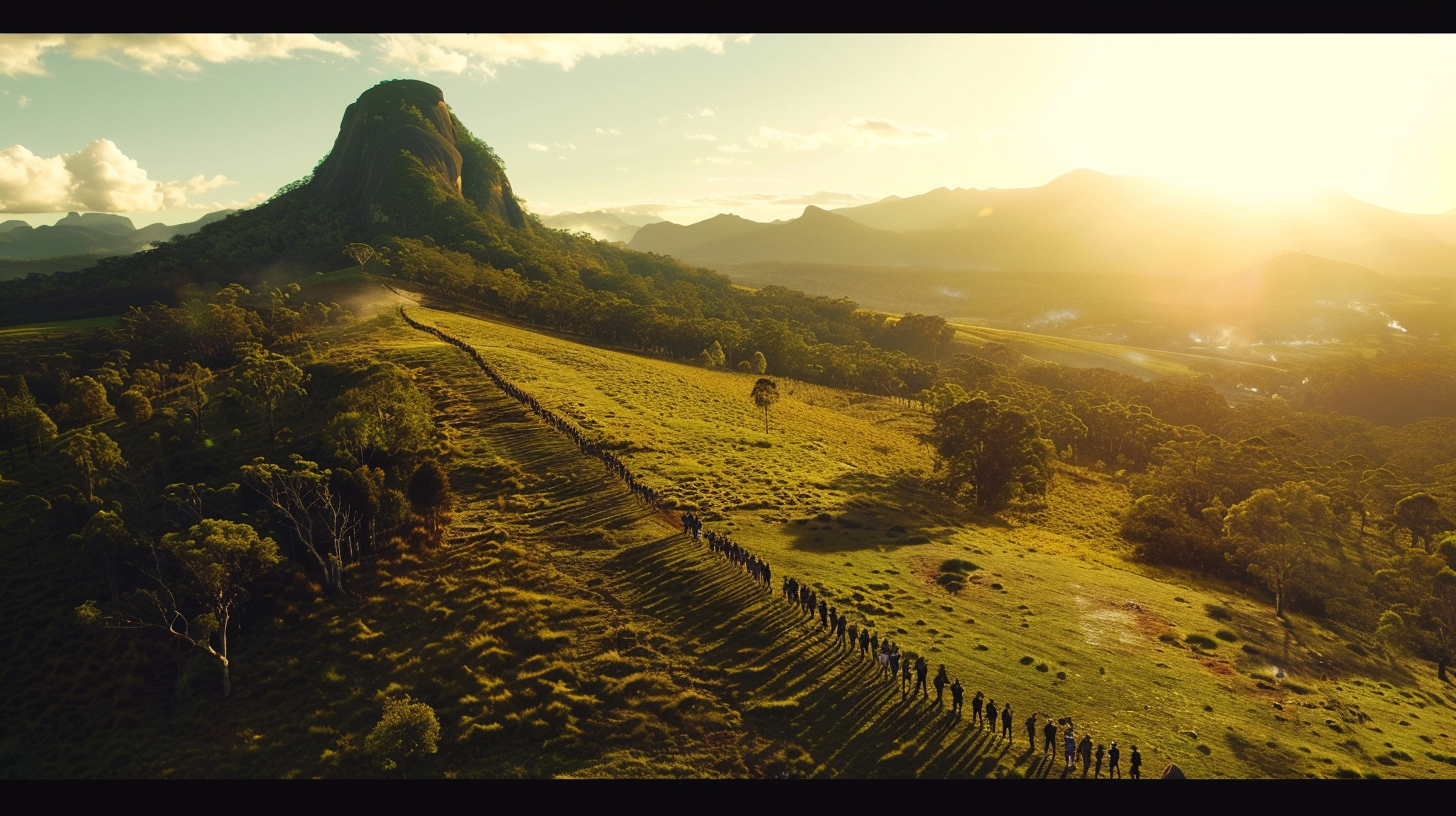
(891, 511)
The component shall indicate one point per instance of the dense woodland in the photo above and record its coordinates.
(162, 450)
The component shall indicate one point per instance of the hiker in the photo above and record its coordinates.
(957, 696)
(1069, 747)
(1085, 749)
(1134, 764)
(1112, 756)
(1097, 774)
(864, 641)
(894, 663)
(884, 658)
(941, 678)
(1049, 731)
(976, 703)
(905, 677)
(1031, 733)
(921, 670)
(1006, 722)
(991, 715)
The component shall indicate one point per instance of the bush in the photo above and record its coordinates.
(407, 729)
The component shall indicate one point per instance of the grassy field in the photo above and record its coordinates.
(564, 628)
(1051, 618)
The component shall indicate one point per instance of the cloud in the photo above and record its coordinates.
(537, 146)
(707, 137)
(731, 148)
(704, 112)
(773, 137)
(864, 135)
(611, 131)
(25, 101)
(720, 160)
(98, 177)
(484, 53)
(24, 53)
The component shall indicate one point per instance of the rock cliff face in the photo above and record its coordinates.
(407, 115)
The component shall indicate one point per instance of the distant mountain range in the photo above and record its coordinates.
(1084, 221)
(603, 226)
(95, 234)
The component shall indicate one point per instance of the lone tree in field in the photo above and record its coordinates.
(429, 493)
(359, 253)
(765, 393)
(407, 729)
(204, 582)
(1274, 529)
(990, 453)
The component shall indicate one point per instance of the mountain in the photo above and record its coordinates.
(99, 234)
(816, 236)
(603, 226)
(1088, 222)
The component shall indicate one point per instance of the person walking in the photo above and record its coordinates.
(941, 678)
(991, 715)
(1006, 721)
(1085, 749)
(1113, 754)
(976, 703)
(905, 669)
(1134, 764)
(1031, 733)
(1049, 731)
(922, 669)
(957, 696)
(1069, 746)
(1101, 750)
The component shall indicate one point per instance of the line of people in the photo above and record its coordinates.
(893, 664)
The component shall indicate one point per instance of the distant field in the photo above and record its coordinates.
(1051, 618)
(36, 329)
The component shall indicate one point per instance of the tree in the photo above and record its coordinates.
(1421, 515)
(192, 396)
(429, 493)
(268, 378)
(215, 562)
(96, 456)
(84, 402)
(407, 729)
(303, 496)
(133, 406)
(359, 253)
(765, 393)
(990, 453)
(1273, 530)
(1422, 592)
(759, 363)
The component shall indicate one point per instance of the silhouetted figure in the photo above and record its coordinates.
(1101, 750)
(1134, 764)
(1069, 746)
(941, 678)
(905, 675)
(991, 715)
(1031, 733)
(1113, 754)
(1049, 731)
(1085, 749)
(921, 671)
(1006, 722)
(976, 703)
(864, 642)
(957, 697)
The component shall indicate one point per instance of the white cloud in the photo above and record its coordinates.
(24, 53)
(720, 160)
(568, 145)
(731, 148)
(611, 131)
(703, 112)
(864, 135)
(707, 137)
(773, 137)
(25, 101)
(484, 53)
(861, 135)
(537, 146)
(98, 177)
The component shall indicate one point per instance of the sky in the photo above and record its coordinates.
(169, 127)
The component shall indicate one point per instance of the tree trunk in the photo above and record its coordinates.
(1441, 669)
(227, 681)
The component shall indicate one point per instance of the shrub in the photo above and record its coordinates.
(407, 729)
